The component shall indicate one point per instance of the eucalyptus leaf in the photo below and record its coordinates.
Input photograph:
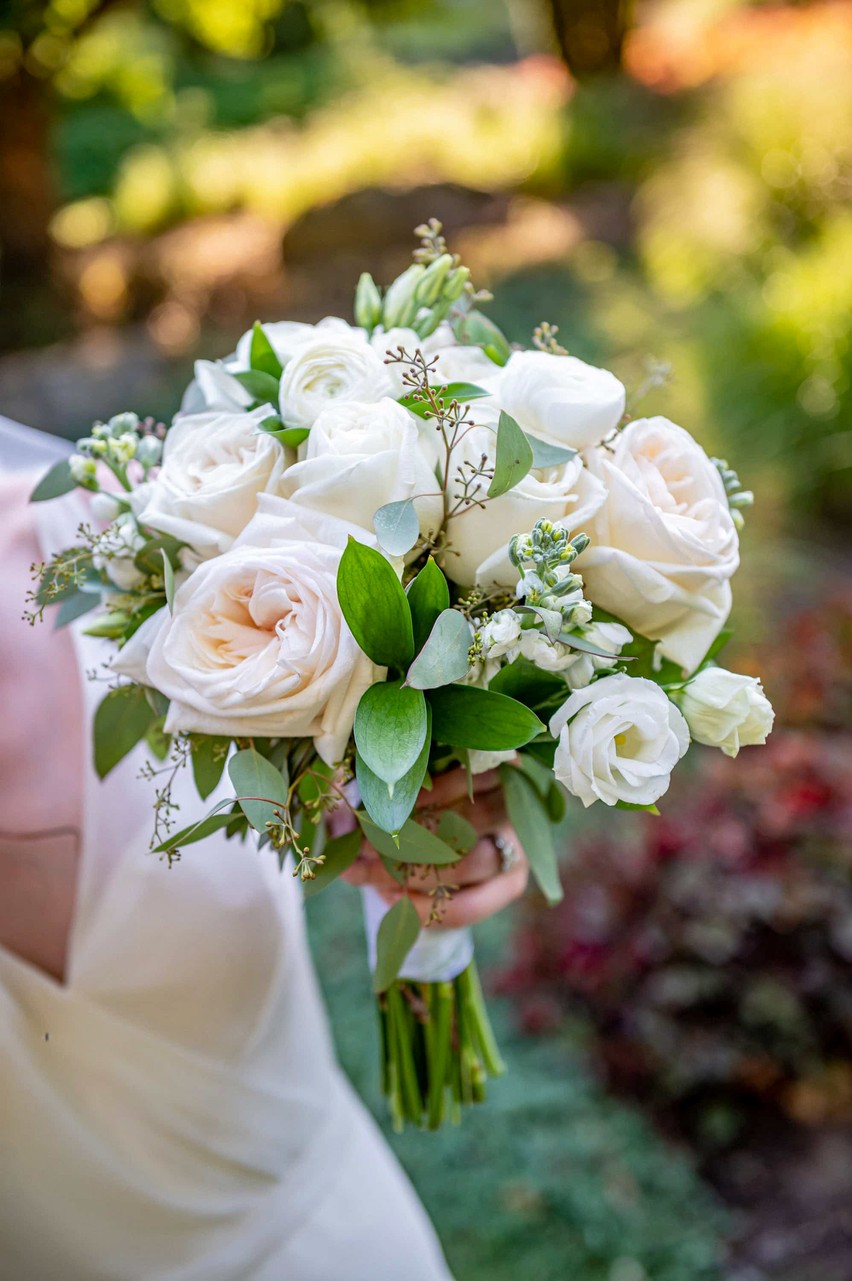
(397, 527)
(391, 727)
(55, 482)
(168, 581)
(464, 716)
(458, 833)
(123, 718)
(261, 788)
(514, 456)
(428, 596)
(263, 387)
(445, 656)
(375, 606)
(388, 809)
(213, 822)
(339, 854)
(209, 755)
(414, 844)
(74, 607)
(262, 355)
(529, 817)
(396, 937)
(547, 455)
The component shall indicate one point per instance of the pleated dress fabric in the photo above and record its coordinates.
(173, 1111)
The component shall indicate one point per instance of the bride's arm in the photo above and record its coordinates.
(41, 741)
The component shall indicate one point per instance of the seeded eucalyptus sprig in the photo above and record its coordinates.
(739, 499)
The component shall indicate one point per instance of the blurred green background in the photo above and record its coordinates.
(669, 183)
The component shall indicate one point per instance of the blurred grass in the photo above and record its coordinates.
(550, 1178)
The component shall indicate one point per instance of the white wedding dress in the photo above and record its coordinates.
(174, 1111)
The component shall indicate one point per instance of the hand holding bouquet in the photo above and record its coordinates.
(365, 562)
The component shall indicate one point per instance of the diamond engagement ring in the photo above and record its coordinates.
(509, 856)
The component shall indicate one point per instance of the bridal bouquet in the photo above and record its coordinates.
(364, 555)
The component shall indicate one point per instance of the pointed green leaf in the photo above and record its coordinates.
(529, 817)
(263, 387)
(395, 939)
(209, 755)
(293, 437)
(123, 718)
(464, 716)
(513, 458)
(212, 822)
(56, 482)
(263, 357)
(391, 726)
(589, 647)
(546, 455)
(339, 854)
(375, 606)
(527, 683)
(74, 607)
(261, 788)
(444, 657)
(459, 834)
(397, 527)
(428, 596)
(415, 844)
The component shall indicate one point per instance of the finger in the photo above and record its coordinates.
(484, 860)
(470, 905)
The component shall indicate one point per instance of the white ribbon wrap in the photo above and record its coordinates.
(438, 955)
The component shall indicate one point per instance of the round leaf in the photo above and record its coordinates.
(397, 527)
(444, 657)
(391, 726)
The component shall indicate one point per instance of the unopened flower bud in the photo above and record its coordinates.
(123, 448)
(368, 302)
(84, 470)
(431, 283)
(105, 507)
(149, 451)
(121, 423)
(456, 281)
(399, 307)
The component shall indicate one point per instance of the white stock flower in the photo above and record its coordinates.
(726, 710)
(331, 366)
(663, 545)
(359, 457)
(560, 399)
(214, 467)
(547, 655)
(116, 549)
(479, 537)
(610, 636)
(619, 740)
(500, 634)
(257, 643)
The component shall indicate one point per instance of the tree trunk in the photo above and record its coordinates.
(590, 34)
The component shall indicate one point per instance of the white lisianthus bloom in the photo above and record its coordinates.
(619, 740)
(610, 636)
(214, 467)
(726, 710)
(332, 366)
(560, 399)
(257, 643)
(664, 545)
(359, 457)
(567, 494)
(457, 362)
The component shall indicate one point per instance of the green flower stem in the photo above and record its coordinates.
(438, 1049)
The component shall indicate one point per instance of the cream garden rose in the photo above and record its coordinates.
(214, 467)
(619, 740)
(257, 643)
(560, 399)
(567, 494)
(359, 457)
(664, 545)
(726, 710)
(332, 366)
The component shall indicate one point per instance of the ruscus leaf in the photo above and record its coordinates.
(261, 788)
(123, 718)
(395, 939)
(415, 844)
(209, 755)
(391, 726)
(262, 356)
(263, 387)
(375, 606)
(428, 596)
(528, 815)
(55, 482)
(463, 716)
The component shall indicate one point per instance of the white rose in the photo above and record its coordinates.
(619, 740)
(331, 366)
(257, 643)
(567, 494)
(560, 399)
(724, 709)
(456, 362)
(214, 467)
(359, 457)
(610, 636)
(663, 543)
